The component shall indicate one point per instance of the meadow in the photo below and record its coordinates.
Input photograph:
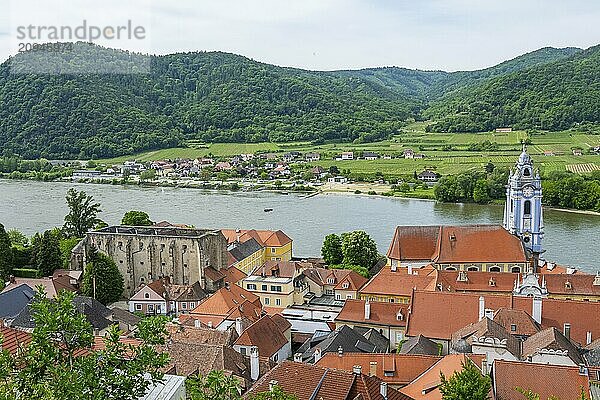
(446, 153)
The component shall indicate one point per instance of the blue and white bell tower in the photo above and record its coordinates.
(523, 209)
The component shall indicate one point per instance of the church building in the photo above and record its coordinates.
(513, 247)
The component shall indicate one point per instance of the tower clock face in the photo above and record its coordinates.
(528, 191)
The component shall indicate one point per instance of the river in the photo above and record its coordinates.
(570, 238)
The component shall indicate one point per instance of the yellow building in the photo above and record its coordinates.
(274, 283)
(250, 249)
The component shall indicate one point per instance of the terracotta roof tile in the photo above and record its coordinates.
(395, 369)
(227, 303)
(263, 237)
(426, 386)
(399, 282)
(456, 244)
(308, 382)
(385, 314)
(233, 275)
(476, 281)
(545, 380)
(264, 334)
(487, 328)
(13, 339)
(523, 323)
(551, 339)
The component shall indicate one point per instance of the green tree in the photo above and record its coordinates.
(481, 191)
(46, 253)
(60, 364)
(83, 213)
(136, 218)
(332, 249)
(6, 255)
(489, 167)
(148, 175)
(468, 383)
(18, 238)
(102, 279)
(66, 246)
(214, 386)
(276, 393)
(359, 249)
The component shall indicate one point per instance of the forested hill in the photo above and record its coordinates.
(220, 97)
(553, 96)
(205, 96)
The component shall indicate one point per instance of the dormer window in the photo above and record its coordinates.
(568, 285)
(492, 282)
(462, 276)
(400, 316)
(513, 327)
(345, 285)
(330, 281)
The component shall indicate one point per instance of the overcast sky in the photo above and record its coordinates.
(327, 34)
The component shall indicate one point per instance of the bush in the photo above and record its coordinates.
(27, 273)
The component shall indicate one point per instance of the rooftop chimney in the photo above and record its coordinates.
(272, 385)
(340, 351)
(481, 307)
(254, 364)
(357, 370)
(484, 366)
(373, 368)
(588, 338)
(238, 326)
(317, 354)
(410, 269)
(367, 309)
(567, 330)
(536, 313)
(383, 390)
(197, 323)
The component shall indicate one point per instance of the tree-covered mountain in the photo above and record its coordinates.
(71, 112)
(66, 105)
(551, 96)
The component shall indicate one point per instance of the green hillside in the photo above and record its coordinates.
(57, 105)
(553, 96)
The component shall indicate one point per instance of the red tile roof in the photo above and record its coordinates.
(227, 303)
(13, 339)
(545, 380)
(456, 244)
(282, 269)
(321, 277)
(265, 238)
(395, 369)
(384, 314)
(426, 386)
(264, 334)
(307, 382)
(551, 339)
(477, 281)
(524, 324)
(439, 314)
(233, 275)
(399, 282)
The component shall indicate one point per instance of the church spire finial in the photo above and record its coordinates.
(524, 145)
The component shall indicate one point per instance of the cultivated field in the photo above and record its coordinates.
(552, 151)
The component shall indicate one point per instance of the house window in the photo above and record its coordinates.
(349, 296)
(150, 307)
(275, 357)
(391, 300)
(495, 269)
(330, 281)
(183, 306)
(138, 307)
(243, 351)
(273, 250)
(275, 288)
(251, 286)
(516, 270)
(473, 268)
(264, 288)
(146, 295)
(338, 296)
(277, 302)
(345, 285)
(267, 301)
(192, 304)
(513, 327)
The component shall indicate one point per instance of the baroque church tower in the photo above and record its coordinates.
(523, 209)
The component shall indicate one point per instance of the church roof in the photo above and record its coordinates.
(456, 244)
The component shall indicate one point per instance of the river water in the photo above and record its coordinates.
(570, 239)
